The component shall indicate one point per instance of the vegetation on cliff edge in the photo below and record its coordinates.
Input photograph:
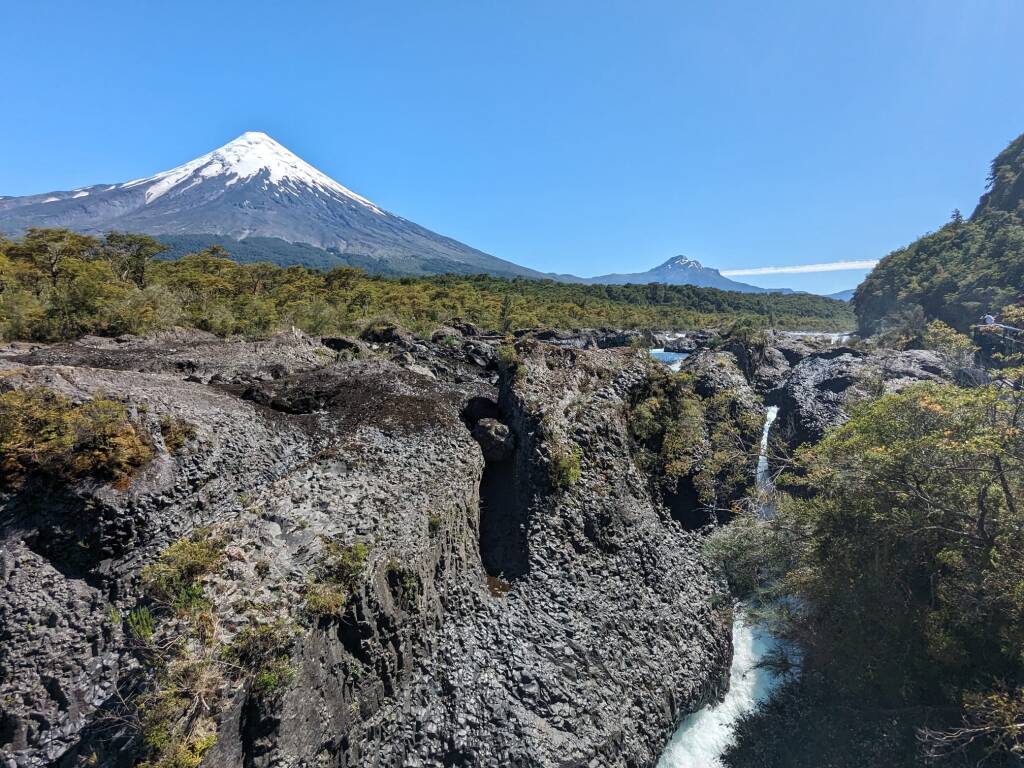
(965, 269)
(898, 573)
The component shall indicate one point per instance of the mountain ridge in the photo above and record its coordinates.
(680, 270)
(253, 186)
(257, 199)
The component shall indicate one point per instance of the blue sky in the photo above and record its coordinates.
(583, 137)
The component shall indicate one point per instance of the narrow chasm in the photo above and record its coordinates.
(684, 506)
(503, 545)
(504, 549)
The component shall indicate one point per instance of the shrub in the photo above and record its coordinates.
(176, 731)
(42, 431)
(174, 579)
(338, 576)
(141, 624)
(263, 651)
(176, 433)
(564, 469)
(955, 348)
(508, 357)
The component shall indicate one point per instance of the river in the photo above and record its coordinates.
(702, 737)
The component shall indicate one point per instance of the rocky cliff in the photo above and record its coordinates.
(379, 552)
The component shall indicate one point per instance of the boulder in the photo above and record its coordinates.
(496, 440)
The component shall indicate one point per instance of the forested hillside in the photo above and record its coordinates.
(57, 284)
(965, 269)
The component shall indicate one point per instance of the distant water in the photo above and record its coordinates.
(703, 736)
(672, 359)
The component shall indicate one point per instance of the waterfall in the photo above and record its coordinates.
(703, 736)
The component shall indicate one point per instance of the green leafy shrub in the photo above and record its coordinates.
(955, 348)
(338, 576)
(263, 652)
(174, 580)
(176, 433)
(177, 729)
(564, 467)
(141, 624)
(43, 432)
(508, 357)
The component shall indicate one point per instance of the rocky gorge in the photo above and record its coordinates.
(384, 551)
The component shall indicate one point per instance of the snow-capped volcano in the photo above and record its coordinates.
(249, 155)
(253, 189)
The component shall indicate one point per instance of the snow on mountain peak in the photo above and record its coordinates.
(684, 263)
(243, 158)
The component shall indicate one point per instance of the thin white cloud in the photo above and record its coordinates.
(832, 266)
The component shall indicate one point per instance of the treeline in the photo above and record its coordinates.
(896, 570)
(968, 268)
(56, 284)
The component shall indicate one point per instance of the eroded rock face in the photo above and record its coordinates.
(591, 338)
(718, 372)
(821, 385)
(504, 615)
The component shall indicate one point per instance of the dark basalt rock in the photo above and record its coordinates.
(496, 440)
(496, 620)
(591, 338)
(681, 344)
(815, 396)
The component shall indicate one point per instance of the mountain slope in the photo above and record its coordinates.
(966, 268)
(679, 270)
(254, 187)
(846, 295)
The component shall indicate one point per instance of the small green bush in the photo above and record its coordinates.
(564, 469)
(264, 652)
(43, 432)
(175, 732)
(176, 433)
(508, 357)
(338, 576)
(141, 624)
(174, 579)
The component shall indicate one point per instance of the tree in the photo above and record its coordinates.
(50, 250)
(505, 316)
(897, 570)
(129, 254)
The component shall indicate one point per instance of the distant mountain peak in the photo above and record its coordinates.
(682, 270)
(682, 262)
(251, 154)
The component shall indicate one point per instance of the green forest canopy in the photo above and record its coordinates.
(58, 284)
(967, 268)
(897, 571)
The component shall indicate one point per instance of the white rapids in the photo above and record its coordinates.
(702, 737)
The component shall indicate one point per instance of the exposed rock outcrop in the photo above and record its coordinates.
(525, 603)
(821, 385)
